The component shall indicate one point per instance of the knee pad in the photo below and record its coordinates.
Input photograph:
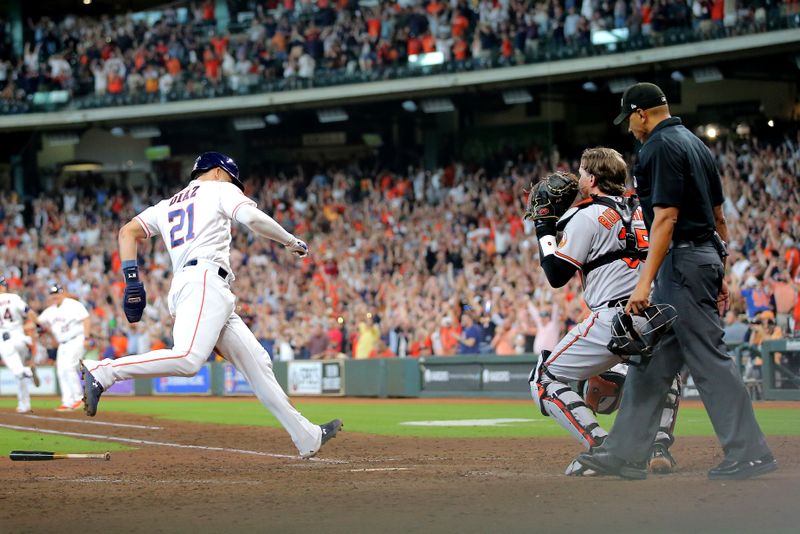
(603, 393)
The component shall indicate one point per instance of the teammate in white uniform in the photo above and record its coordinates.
(593, 242)
(196, 227)
(68, 322)
(14, 343)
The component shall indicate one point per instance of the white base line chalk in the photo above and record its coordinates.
(82, 422)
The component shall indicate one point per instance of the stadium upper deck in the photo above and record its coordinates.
(206, 50)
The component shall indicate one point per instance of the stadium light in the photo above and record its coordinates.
(706, 74)
(711, 132)
(409, 105)
(87, 2)
(618, 85)
(332, 115)
(517, 96)
(252, 122)
(590, 87)
(437, 105)
(771, 123)
(145, 132)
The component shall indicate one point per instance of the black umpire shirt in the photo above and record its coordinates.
(675, 169)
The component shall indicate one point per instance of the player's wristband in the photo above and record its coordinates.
(548, 245)
(130, 271)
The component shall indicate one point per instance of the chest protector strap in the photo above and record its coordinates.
(626, 210)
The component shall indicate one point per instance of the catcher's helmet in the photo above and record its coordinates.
(634, 336)
(209, 160)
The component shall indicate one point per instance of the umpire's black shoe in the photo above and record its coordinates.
(91, 392)
(604, 463)
(329, 431)
(731, 470)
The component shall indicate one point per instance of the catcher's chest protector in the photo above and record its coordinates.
(625, 211)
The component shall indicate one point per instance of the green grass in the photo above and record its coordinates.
(384, 418)
(11, 440)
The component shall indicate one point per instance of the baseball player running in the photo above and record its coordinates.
(593, 242)
(195, 224)
(67, 320)
(14, 343)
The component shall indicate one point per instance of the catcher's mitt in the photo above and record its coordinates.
(551, 198)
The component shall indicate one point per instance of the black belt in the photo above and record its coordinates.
(221, 272)
(689, 243)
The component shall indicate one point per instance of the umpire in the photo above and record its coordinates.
(681, 196)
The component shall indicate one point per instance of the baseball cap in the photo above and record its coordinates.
(55, 288)
(640, 96)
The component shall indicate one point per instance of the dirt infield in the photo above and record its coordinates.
(365, 483)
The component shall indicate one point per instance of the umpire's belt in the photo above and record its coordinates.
(689, 243)
(221, 272)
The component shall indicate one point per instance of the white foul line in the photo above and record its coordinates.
(167, 444)
(83, 422)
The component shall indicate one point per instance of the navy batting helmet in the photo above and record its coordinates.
(210, 160)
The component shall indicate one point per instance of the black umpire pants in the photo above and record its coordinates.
(689, 279)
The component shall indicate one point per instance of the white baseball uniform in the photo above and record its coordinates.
(65, 322)
(196, 227)
(590, 233)
(14, 345)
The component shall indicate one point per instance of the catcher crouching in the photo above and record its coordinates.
(604, 237)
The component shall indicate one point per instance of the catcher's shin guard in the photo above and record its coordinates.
(559, 401)
(669, 413)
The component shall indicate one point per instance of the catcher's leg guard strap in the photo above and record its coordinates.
(669, 413)
(560, 402)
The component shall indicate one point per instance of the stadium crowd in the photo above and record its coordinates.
(405, 265)
(185, 52)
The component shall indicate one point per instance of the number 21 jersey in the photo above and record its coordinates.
(195, 223)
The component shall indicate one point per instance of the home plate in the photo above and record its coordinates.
(469, 422)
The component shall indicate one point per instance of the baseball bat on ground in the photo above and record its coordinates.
(35, 456)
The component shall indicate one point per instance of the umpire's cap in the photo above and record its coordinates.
(209, 160)
(640, 96)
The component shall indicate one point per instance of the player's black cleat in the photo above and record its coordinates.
(604, 463)
(731, 470)
(329, 431)
(661, 461)
(91, 392)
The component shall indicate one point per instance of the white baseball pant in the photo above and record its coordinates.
(68, 358)
(11, 351)
(580, 355)
(202, 304)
